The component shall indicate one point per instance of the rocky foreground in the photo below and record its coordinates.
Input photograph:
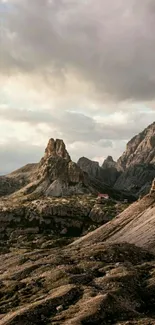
(70, 216)
(104, 277)
(49, 281)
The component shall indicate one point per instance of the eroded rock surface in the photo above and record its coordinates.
(46, 283)
(71, 216)
(137, 164)
(107, 173)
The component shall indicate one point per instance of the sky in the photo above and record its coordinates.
(79, 70)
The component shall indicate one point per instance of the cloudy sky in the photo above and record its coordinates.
(80, 70)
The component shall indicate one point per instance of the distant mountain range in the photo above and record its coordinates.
(57, 175)
(133, 171)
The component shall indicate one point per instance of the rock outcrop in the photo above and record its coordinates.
(137, 164)
(134, 170)
(136, 179)
(109, 163)
(55, 175)
(92, 168)
(135, 225)
(107, 174)
(74, 215)
(58, 175)
(56, 148)
(139, 150)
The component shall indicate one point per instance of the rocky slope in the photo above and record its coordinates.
(134, 170)
(137, 164)
(135, 225)
(109, 163)
(107, 173)
(136, 179)
(46, 282)
(17, 179)
(101, 278)
(89, 166)
(139, 150)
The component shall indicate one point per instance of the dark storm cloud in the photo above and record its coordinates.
(111, 43)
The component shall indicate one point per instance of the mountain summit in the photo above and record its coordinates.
(137, 164)
(56, 148)
(57, 175)
(139, 150)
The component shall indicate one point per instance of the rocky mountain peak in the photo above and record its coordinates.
(137, 164)
(89, 166)
(57, 175)
(56, 148)
(109, 163)
(83, 161)
(139, 150)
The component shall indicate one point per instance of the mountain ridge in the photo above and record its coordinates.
(135, 168)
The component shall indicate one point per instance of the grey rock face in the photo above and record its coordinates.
(134, 170)
(109, 163)
(56, 175)
(56, 148)
(106, 174)
(136, 179)
(137, 164)
(139, 150)
(90, 167)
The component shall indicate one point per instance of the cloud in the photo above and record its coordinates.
(15, 154)
(73, 126)
(77, 70)
(111, 45)
(25, 133)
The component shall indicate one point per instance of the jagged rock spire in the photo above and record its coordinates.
(56, 148)
(109, 163)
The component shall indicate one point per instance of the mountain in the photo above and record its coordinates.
(54, 195)
(109, 163)
(134, 170)
(139, 150)
(90, 167)
(137, 164)
(55, 175)
(107, 173)
(51, 275)
(136, 179)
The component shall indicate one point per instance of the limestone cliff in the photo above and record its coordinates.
(137, 164)
(139, 150)
(107, 173)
